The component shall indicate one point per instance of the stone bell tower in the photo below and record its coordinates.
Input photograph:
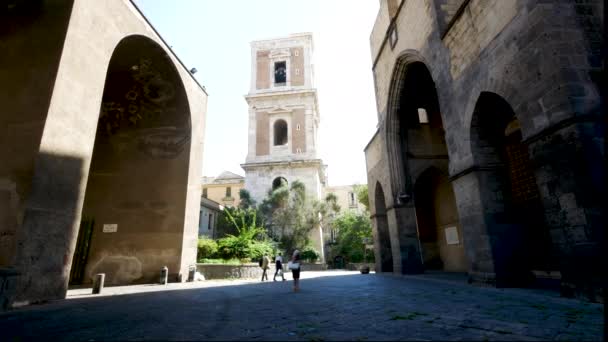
(283, 119)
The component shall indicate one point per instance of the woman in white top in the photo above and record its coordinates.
(295, 272)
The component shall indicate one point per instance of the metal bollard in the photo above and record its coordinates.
(191, 273)
(164, 274)
(98, 283)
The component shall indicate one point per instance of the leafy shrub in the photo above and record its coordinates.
(233, 247)
(258, 249)
(221, 261)
(251, 241)
(309, 254)
(207, 248)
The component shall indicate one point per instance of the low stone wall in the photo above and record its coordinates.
(312, 267)
(359, 265)
(221, 271)
(8, 278)
(247, 271)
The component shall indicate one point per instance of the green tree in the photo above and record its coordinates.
(207, 248)
(353, 230)
(291, 215)
(251, 241)
(309, 254)
(332, 203)
(246, 200)
(362, 195)
(225, 226)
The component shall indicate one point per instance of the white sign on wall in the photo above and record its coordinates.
(451, 236)
(110, 228)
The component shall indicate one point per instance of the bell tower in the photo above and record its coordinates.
(283, 118)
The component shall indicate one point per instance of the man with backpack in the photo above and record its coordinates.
(264, 262)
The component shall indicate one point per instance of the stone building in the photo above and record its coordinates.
(100, 123)
(207, 221)
(224, 189)
(489, 154)
(347, 197)
(283, 119)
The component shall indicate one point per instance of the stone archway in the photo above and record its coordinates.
(279, 182)
(415, 140)
(56, 139)
(513, 212)
(137, 184)
(439, 227)
(384, 259)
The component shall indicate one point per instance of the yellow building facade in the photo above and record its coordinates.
(223, 189)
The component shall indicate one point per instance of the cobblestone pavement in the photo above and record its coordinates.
(331, 306)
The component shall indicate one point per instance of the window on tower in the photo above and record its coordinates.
(280, 73)
(280, 133)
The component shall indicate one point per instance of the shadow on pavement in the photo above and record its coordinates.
(331, 306)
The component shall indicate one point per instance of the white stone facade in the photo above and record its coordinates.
(281, 106)
(259, 177)
(279, 48)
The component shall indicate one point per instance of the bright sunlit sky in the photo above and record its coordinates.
(214, 35)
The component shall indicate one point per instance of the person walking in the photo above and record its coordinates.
(278, 262)
(295, 270)
(265, 264)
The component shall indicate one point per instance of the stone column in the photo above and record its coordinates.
(382, 250)
(493, 239)
(377, 243)
(571, 176)
(475, 233)
(404, 239)
(47, 237)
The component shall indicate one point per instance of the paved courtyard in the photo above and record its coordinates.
(332, 305)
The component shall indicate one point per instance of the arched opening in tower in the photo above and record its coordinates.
(278, 183)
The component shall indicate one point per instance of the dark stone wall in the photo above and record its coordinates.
(547, 71)
(28, 30)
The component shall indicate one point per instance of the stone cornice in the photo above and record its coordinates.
(252, 98)
(473, 168)
(427, 156)
(556, 127)
(282, 93)
(284, 163)
(224, 182)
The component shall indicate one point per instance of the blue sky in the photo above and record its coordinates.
(213, 36)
